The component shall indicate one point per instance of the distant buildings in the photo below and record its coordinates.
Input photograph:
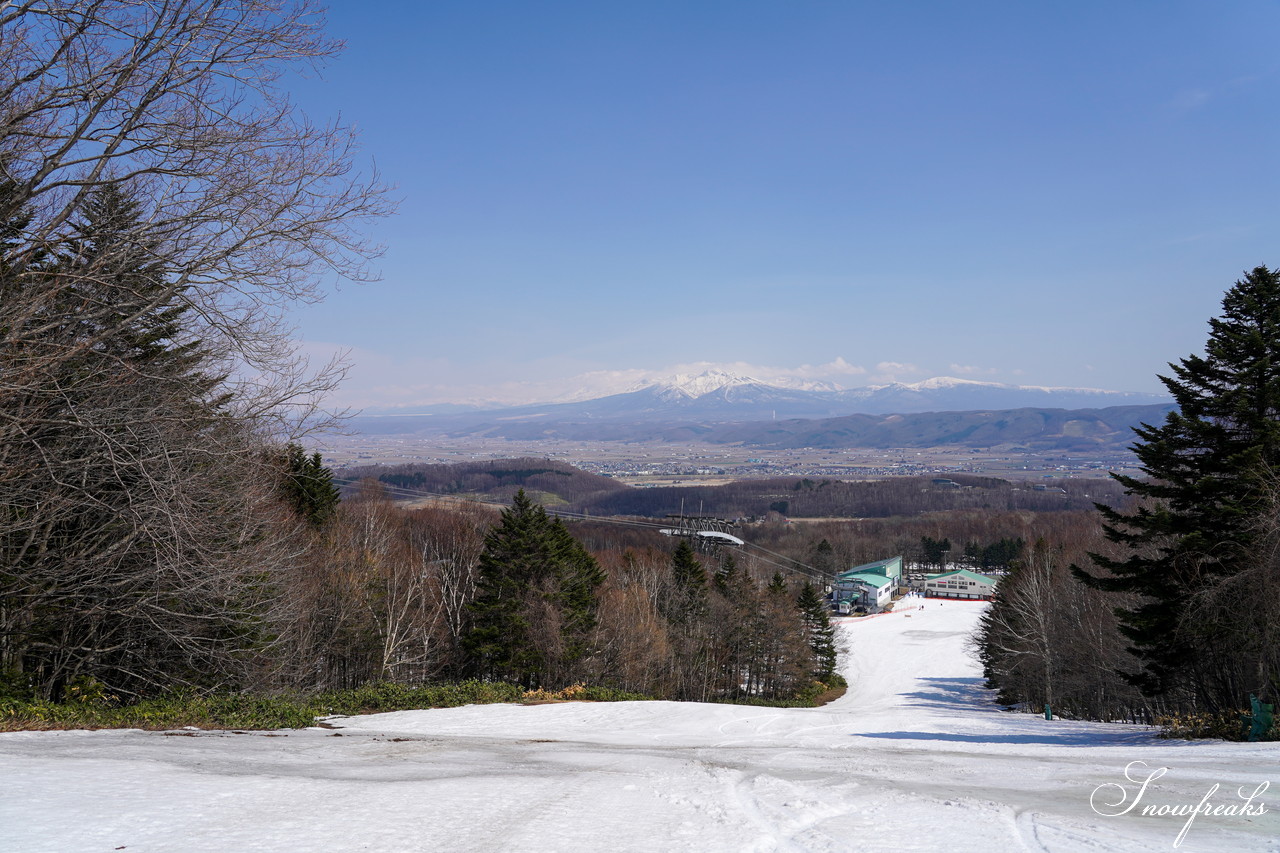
(960, 583)
(869, 587)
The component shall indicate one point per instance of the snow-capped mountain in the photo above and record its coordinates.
(718, 397)
(819, 399)
(699, 385)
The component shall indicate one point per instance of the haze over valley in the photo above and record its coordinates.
(718, 426)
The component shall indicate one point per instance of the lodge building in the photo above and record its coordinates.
(868, 587)
(960, 583)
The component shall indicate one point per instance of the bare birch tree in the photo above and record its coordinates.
(447, 543)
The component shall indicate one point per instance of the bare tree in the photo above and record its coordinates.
(402, 611)
(633, 638)
(1021, 635)
(447, 543)
(161, 204)
(1047, 639)
(380, 595)
(1244, 608)
(251, 206)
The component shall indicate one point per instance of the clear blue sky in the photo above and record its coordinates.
(1048, 194)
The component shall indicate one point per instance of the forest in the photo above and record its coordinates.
(1170, 608)
(163, 206)
(566, 488)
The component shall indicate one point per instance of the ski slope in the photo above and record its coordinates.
(914, 758)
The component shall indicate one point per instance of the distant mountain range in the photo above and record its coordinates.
(715, 405)
(1023, 429)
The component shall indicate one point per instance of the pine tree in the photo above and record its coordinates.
(1207, 470)
(781, 660)
(824, 560)
(535, 602)
(689, 598)
(578, 578)
(934, 551)
(138, 517)
(129, 322)
(818, 631)
(308, 486)
(135, 512)
(125, 303)
(725, 579)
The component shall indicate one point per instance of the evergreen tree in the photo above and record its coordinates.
(128, 321)
(824, 559)
(535, 604)
(780, 655)
(136, 509)
(1207, 467)
(818, 631)
(975, 555)
(690, 595)
(1003, 554)
(308, 486)
(126, 305)
(934, 551)
(726, 576)
(578, 578)
(734, 609)
(138, 519)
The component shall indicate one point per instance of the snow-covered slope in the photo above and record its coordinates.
(914, 758)
(698, 385)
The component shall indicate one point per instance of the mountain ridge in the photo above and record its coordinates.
(720, 395)
(1025, 429)
(690, 407)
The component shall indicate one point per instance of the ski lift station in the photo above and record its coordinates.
(870, 586)
(713, 537)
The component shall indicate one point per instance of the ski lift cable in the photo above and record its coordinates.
(805, 567)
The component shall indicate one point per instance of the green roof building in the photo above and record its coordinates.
(870, 585)
(960, 583)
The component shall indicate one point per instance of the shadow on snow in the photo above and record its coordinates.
(960, 698)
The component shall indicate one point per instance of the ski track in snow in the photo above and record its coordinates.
(915, 757)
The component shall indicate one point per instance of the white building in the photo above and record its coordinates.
(869, 586)
(960, 583)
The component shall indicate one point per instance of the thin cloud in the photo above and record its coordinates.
(971, 370)
(1189, 100)
(377, 381)
(895, 371)
(833, 374)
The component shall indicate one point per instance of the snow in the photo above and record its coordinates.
(914, 758)
(951, 382)
(940, 383)
(694, 386)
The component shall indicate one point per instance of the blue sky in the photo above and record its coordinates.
(593, 193)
